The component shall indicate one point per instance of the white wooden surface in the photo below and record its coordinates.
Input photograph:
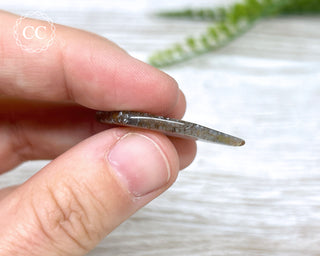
(261, 199)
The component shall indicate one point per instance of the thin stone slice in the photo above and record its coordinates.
(168, 126)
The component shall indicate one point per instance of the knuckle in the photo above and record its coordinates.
(69, 220)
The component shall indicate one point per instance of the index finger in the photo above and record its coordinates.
(84, 68)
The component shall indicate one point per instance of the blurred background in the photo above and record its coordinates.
(260, 199)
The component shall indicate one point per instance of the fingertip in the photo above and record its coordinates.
(105, 77)
(179, 109)
(156, 92)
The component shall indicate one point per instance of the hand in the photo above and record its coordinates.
(100, 175)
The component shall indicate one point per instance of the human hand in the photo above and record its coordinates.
(96, 181)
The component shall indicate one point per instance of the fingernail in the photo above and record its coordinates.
(140, 164)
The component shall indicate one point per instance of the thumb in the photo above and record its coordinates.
(80, 197)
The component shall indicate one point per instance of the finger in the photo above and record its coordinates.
(84, 68)
(33, 130)
(81, 196)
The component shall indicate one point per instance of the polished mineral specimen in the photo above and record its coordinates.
(168, 126)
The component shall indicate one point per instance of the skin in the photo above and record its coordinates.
(47, 111)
